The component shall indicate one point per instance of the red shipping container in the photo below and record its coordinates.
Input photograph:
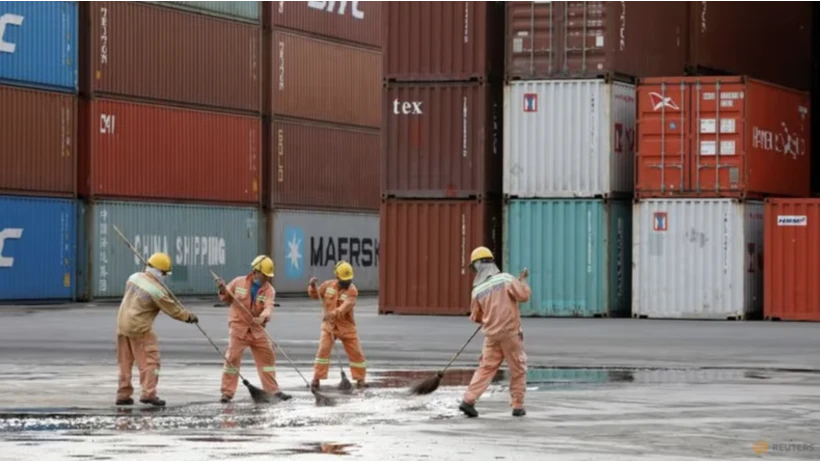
(429, 41)
(425, 253)
(142, 151)
(595, 39)
(442, 140)
(319, 80)
(38, 142)
(143, 51)
(323, 166)
(721, 137)
(772, 42)
(791, 259)
(356, 22)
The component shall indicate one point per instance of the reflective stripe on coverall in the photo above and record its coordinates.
(341, 303)
(144, 298)
(494, 304)
(243, 333)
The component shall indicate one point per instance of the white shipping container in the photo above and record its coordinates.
(569, 138)
(698, 258)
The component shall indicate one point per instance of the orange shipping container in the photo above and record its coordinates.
(357, 22)
(142, 151)
(425, 253)
(721, 137)
(319, 80)
(791, 259)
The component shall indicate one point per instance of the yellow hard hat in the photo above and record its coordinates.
(263, 264)
(480, 253)
(160, 261)
(343, 271)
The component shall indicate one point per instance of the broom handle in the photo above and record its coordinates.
(234, 301)
(463, 348)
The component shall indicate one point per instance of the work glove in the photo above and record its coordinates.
(524, 274)
(220, 284)
(192, 318)
(261, 320)
(313, 282)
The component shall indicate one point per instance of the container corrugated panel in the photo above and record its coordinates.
(320, 80)
(38, 44)
(698, 258)
(791, 259)
(318, 165)
(309, 243)
(569, 138)
(240, 11)
(444, 41)
(132, 150)
(722, 136)
(38, 142)
(426, 247)
(38, 239)
(594, 39)
(143, 51)
(357, 22)
(197, 238)
(578, 254)
(442, 140)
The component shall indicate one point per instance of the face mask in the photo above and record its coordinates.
(344, 285)
(157, 273)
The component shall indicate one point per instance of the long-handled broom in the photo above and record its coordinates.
(321, 400)
(428, 385)
(257, 394)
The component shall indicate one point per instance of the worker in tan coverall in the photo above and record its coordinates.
(255, 292)
(338, 301)
(144, 298)
(495, 304)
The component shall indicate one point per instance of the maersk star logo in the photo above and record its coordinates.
(294, 252)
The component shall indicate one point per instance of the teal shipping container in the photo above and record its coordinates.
(578, 254)
(198, 238)
(237, 11)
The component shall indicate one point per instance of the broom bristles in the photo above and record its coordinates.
(345, 384)
(257, 394)
(323, 400)
(426, 386)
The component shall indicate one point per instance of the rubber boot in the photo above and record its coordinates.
(361, 384)
(469, 409)
(156, 401)
(226, 398)
(282, 396)
(315, 385)
(128, 401)
(519, 412)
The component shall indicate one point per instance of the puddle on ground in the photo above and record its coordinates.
(326, 448)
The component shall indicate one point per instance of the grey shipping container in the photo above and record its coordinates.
(308, 244)
(239, 11)
(197, 238)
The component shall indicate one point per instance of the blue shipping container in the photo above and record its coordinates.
(578, 253)
(38, 45)
(37, 248)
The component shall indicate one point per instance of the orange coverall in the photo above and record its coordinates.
(494, 304)
(243, 333)
(144, 298)
(339, 304)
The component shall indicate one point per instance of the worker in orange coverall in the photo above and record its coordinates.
(495, 304)
(255, 292)
(338, 301)
(144, 298)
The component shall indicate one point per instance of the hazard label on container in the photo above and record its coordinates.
(531, 102)
(660, 221)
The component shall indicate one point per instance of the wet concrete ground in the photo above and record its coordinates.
(597, 390)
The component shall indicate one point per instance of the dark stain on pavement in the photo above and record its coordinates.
(327, 448)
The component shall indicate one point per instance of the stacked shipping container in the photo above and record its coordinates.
(441, 159)
(322, 116)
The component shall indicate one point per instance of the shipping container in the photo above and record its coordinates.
(444, 41)
(595, 39)
(144, 151)
(38, 144)
(309, 243)
(442, 140)
(355, 22)
(698, 258)
(791, 259)
(38, 238)
(427, 249)
(238, 11)
(38, 45)
(327, 166)
(752, 140)
(569, 138)
(320, 80)
(143, 51)
(773, 42)
(198, 239)
(578, 254)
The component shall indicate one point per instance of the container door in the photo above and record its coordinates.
(531, 38)
(663, 138)
(583, 52)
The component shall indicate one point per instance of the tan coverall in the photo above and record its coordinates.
(243, 333)
(339, 304)
(144, 298)
(494, 304)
